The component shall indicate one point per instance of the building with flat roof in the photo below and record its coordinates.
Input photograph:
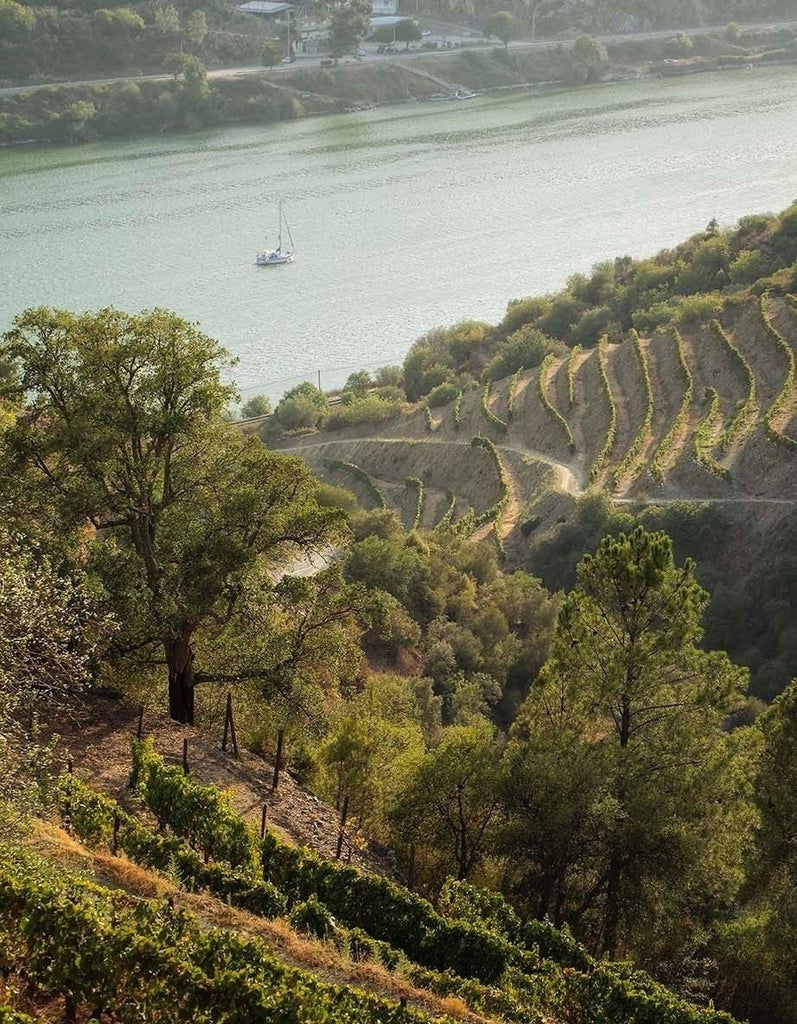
(268, 8)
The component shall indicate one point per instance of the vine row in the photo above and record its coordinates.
(362, 475)
(500, 425)
(575, 352)
(626, 464)
(448, 516)
(704, 439)
(110, 955)
(658, 462)
(420, 497)
(786, 392)
(611, 431)
(458, 410)
(551, 409)
(99, 821)
(745, 417)
(510, 395)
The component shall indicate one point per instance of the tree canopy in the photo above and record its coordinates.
(120, 420)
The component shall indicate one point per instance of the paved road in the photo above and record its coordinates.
(375, 58)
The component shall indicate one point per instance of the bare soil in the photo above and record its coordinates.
(99, 740)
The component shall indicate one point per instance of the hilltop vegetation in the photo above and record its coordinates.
(689, 396)
(589, 766)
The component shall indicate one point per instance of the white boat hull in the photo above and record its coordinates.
(274, 259)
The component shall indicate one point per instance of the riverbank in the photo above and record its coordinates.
(91, 112)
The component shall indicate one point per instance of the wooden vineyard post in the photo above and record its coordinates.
(263, 818)
(68, 801)
(185, 756)
(278, 761)
(117, 821)
(229, 726)
(343, 816)
(140, 728)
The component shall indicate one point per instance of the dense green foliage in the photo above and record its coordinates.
(107, 953)
(121, 428)
(81, 39)
(480, 939)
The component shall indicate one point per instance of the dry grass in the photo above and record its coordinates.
(323, 958)
(54, 844)
(121, 873)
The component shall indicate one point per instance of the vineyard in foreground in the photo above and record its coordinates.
(152, 959)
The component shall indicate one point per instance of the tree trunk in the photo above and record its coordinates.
(180, 660)
(611, 922)
(616, 865)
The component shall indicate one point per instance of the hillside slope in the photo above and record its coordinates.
(682, 432)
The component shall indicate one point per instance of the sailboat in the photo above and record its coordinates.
(276, 257)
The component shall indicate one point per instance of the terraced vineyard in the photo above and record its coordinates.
(205, 906)
(702, 413)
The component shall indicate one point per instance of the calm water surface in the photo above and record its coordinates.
(403, 218)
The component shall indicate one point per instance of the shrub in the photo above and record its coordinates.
(259, 405)
(698, 307)
(299, 411)
(749, 266)
(371, 408)
(442, 394)
(521, 312)
(523, 350)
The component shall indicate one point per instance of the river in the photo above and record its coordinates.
(404, 218)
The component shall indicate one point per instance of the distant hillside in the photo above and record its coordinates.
(698, 406)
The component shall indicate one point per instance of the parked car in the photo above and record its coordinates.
(361, 53)
(426, 32)
(288, 60)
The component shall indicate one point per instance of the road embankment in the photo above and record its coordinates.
(133, 108)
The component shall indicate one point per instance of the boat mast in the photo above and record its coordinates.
(279, 243)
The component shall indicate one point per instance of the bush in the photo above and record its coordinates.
(749, 266)
(698, 307)
(259, 405)
(371, 408)
(523, 350)
(442, 394)
(592, 326)
(297, 412)
(521, 312)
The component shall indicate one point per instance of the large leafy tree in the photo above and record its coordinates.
(121, 420)
(348, 25)
(449, 805)
(630, 806)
